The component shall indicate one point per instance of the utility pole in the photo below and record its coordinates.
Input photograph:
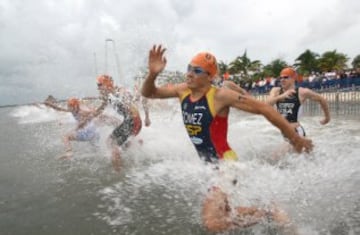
(95, 65)
(116, 58)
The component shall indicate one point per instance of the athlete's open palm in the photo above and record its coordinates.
(157, 61)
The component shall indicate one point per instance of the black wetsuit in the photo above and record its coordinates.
(290, 109)
(131, 123)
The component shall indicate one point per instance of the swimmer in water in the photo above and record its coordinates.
(86, 129)
(123, 103)
(205, 111)
(289, 101)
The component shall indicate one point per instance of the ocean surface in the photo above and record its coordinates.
(162, 181)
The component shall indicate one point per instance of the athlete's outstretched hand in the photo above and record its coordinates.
(287, 94)
(325, 120)
(301, 144)
(157, 60)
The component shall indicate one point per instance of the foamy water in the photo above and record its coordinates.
(162, 184)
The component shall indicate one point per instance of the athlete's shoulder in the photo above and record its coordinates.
(229, 83)
(225, 91)
(305, 91)
(276, 88)
(224, 94)
(275, 91)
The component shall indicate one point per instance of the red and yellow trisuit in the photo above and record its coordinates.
(207, 130)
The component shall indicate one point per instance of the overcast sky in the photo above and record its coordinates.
(58, 46)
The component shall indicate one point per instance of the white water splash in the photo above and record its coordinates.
(318, 190)
(37, 114)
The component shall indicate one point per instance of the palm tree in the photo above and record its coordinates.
(274, 68)
(356, 62)
(333, 61)
(307, 62)
(223, 67)
(243, 65)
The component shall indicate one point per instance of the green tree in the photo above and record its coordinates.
(274, 68)
(307, 62)
(243, 65)
(223, 67)
(333, 61)
(356, 62)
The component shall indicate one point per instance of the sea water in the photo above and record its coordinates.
(162, 183)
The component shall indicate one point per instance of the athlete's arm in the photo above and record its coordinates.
(58, 108)
(233, 86)
(250, 104)
(92, 114)
(272, 98)
(274, 95)
(157, 63)
(101, 108)
(309, 94)
(144, 102)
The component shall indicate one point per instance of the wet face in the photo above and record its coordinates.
(286, 81)
(100, 86)
(102, 89)
(196, 76)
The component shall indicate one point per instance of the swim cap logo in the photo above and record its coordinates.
(208, 56)
(206, 61)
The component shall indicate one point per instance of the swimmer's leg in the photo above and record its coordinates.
(216, 211)
(248, 216)
(71, 136)
(115, 153)
(217, 214)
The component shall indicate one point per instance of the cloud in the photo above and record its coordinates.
(334, 27)
(58, 47)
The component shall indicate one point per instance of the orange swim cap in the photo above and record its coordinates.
(73, 102)
(206, 61)
(288, 72)
(105, 80)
